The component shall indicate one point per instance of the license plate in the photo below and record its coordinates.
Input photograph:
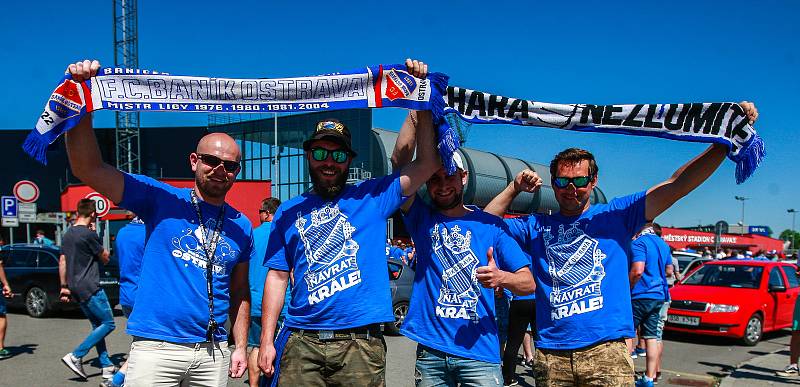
(683, 320)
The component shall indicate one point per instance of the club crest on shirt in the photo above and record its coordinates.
(576, 270)
(330, 252)
(459, 292)
(189, 247)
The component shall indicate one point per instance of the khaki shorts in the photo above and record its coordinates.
(308, 361)
(161, 363)
(604, 364)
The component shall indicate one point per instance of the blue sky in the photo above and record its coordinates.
(562, 52)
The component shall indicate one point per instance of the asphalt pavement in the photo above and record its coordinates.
(37, 346)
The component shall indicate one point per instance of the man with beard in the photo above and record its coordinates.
(333, 238)
(580, 260)
(452, 310)
(195, 262)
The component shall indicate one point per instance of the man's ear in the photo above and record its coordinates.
(193, 160)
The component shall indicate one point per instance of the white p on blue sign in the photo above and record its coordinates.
(9, 204)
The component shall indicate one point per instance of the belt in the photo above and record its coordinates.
(365, 332)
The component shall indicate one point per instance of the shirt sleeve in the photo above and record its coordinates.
(638, 250)
(140, 194)
(517, 228)
(508, 251)
(386, 191)
(275, 257)
(415, 214)
(94, 244)
(632, 210)
(247, 256)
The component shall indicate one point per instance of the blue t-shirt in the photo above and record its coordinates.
(172, 300)
(581, 269)
(654, 252)
(450, 310)
(258, 272)
(334, 248)
(396, 253)
(129, 249)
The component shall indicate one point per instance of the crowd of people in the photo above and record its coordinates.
(323, 296)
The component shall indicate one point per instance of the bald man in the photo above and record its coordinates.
(182, 302)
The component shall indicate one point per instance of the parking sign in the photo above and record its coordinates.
(9, 206)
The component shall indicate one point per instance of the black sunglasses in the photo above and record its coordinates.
(321, 154)
(577, 181)
(214, 161)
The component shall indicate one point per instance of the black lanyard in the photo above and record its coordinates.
(209, 247)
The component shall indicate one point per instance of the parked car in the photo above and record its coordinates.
(735, 298)
(401, 280)
(32, 272)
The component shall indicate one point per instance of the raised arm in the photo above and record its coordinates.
(413, 175)
(690, 175)
(404, 148)
(527, 181)
(83, 151)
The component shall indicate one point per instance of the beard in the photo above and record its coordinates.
(212, 189)
(325, 189)
(452, 203)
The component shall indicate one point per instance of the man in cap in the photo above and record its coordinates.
(333, 238)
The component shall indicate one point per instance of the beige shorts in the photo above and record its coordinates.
(604, 364)
(161, 363)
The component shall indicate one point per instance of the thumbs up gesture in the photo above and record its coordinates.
(490, 276)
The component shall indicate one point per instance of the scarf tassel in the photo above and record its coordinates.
(448, 140)
(36, 145)
(749, 158)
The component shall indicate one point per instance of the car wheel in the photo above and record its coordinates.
(36, 302)
(400, 310)
(753, 331)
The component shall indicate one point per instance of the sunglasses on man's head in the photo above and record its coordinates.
(214, 161)
(320, 154)
(577, 181)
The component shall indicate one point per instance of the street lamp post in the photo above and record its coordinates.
(792, 211)
(742, 199)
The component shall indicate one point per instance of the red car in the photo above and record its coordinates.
(735, 298)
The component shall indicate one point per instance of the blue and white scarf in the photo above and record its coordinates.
(142, 90)
(724, 123)
(389, 86)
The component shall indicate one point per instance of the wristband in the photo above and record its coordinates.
(64, 287)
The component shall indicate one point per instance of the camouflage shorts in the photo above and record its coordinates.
(604, 364)
(308, 361)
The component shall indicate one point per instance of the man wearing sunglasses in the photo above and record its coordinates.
(333, 238)
(195, 265)
(580, 261)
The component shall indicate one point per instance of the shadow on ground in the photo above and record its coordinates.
(25, 349)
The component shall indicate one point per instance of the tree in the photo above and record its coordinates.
(791, 236)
